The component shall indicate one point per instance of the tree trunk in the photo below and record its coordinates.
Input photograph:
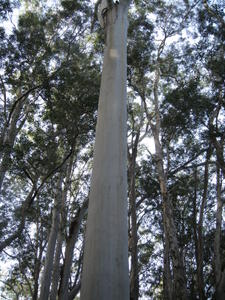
(47, 273)
(199, 252)
(134, 280)
(195, 227)
(26, 204)
(167, 278)
(219, 273)
(105, 270)
(180, 289)
(58, 251)
(56, 267)
(74, 292)
(74, 231)
(38, 257)
(8, 140)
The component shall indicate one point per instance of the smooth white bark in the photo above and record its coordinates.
(105, 269)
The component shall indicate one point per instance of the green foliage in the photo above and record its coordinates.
(50, 64)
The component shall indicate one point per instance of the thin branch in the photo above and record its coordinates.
(22, 97)
(213, 13)
(187, 162)
(4, 95)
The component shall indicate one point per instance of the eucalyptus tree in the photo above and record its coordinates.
(105, 269)
(149, 89)
(48, 121)
(49, 83)
(211, 27)
(137, 129)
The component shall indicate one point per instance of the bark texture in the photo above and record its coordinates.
(105, 269)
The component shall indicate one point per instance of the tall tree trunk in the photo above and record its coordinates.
(167, 278)
(48, 266)
(180, 289)
(74, 231)
(134, 280)
(105, 270)
(219, 272)
(56, 267)
(195, 227)
(58, 251)
(199, 252)
(38, 257)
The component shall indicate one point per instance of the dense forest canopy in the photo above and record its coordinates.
(51, 55)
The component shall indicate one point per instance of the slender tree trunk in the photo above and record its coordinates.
(74, 231)
(58, 251)
(199, 252)
(37, 273)
(38, 258)
(48, 266)
(8, 141)
(56, 267)
(167, 278)
(105, 270)
(180, 289)
(195, 227)
(74, 292)
(26, 204)
(219, 273)
(134, 280)
(77, 283)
